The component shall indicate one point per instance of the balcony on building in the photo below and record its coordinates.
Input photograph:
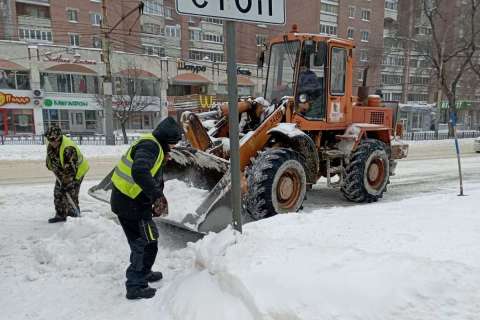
(33, 15)
(45, 3)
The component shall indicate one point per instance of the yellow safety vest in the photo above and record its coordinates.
(122, 175)
(82, 163)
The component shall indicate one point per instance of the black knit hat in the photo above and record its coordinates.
(168, 132)
(53, 133)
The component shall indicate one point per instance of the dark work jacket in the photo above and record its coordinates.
(144, 155)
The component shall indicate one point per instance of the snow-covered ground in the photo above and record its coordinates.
(37, 152)
(415, 258)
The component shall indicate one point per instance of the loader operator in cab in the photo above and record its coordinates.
(310, 92)
(137, 196)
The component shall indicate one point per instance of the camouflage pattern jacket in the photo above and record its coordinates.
(69, 171)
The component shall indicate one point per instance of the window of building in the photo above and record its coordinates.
(152, 28)
(417, 97)
(153, 7)
(195, 35)
(213, 20)
(393, 60)
(95, 19)
(25, 9)
(206, 55)
(74, 39)
(137, 87)
(392, 5)
(350, 33)
(366, 14)
(392, 79)
(72, 15)
(364, 55)
(261, 39)
(55, 117)
(212, 37)
(168, 12)
(338, 71)
(96, 42)
(329, 8)
(90, 119)
(69, 83)
(154, 50)
(351, 12)
(415, 80)
(17, 80)
(365, 35)
(328, 29)
(172, 31)
(35, 35)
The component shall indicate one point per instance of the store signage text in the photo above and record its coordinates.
(182, 65)
(64, 103)
(49, 57)
(6, 98)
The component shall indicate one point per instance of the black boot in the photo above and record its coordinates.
(141, 293)
(154, 276)
(57, 219)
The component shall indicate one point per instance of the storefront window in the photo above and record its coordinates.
(18, 121)
(91, 119)
(137, 87)
(69, 83)
(146, 121)
(136, 122)
(55, 117)
(16, 80)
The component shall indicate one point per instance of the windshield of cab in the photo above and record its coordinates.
(281, 70)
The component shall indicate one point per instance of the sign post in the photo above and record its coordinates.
(257, 11)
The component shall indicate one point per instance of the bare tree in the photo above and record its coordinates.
(451, 46)
(132, 94)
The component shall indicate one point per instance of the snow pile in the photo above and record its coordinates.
(39, 152)
(182, 199)
(90, 245)
(414, 259)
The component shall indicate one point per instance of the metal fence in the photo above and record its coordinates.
(100, 139)
(80, 140)
(430, 135)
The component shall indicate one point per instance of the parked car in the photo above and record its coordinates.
(476, 145)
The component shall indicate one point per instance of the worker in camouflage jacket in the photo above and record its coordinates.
(69, 166)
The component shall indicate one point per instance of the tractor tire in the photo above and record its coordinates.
(276, 182)
(368, 173)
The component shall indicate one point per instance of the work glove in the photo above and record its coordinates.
(160, 207)
(148, 230)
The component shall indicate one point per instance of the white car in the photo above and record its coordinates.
(476, 145)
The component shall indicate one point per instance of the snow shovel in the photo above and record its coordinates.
(70, 200)
(197, 169)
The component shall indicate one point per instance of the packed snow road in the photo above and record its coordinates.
(413, 255)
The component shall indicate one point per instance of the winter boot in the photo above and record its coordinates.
(154, 276)
(141, 293)
(57, 219)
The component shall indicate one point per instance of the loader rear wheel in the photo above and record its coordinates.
(276, 183)
(368, 172)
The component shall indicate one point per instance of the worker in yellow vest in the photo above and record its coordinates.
(137, 196)
(69, 166)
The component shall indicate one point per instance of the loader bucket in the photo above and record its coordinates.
(188, 174)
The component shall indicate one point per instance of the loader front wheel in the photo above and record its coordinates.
(276, 183)
(368, 172)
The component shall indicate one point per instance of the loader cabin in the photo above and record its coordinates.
(317, 72)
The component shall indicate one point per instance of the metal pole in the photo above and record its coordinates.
(107, 81)
(233, 124)
(453, 120)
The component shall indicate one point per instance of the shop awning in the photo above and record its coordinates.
(243, 81)
(136, 73)
(9, 65)
(190, 78)
(71, 68)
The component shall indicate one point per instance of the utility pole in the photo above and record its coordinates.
(408, 53)
(107, 81)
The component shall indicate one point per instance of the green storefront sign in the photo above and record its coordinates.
(48, 103)
(461, 105)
